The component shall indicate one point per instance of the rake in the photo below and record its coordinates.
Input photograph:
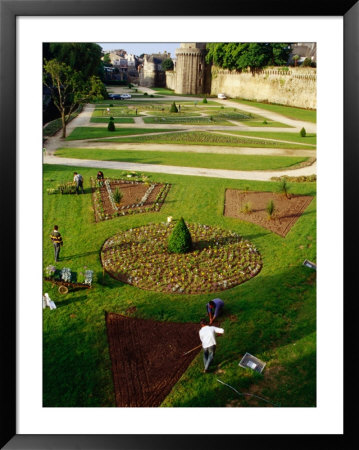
(192, 349)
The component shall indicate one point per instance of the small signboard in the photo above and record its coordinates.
(310, 264)
(250, 361)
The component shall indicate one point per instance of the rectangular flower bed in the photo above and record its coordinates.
(137, 197)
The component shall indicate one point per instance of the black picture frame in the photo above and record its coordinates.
(9, 10)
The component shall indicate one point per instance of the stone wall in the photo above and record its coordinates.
(294, 87)
(171, 79)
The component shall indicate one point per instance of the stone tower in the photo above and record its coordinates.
(192, 72)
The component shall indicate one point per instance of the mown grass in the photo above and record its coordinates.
(293, 137)
(291, 112)
(265, 123)
(273, 316)
(164, 91)
(203, 160)
(187, 120)
(116, 120)
(206, 138)
(97, 132)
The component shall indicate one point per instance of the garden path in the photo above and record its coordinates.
(176, 170)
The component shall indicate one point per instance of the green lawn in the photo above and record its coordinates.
(307, 115)
(97, 132)
(116, 120)
(265, 123)
(204, 160)
(164, 91)
(187, 120)
(293, 137)
(273, 316)
(208, 138)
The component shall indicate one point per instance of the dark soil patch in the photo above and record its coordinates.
(147, 357)
(287, 210)
(138, 197)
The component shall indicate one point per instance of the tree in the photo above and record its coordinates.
(167, 64)
(84, 58)
(240, 56)
(107, 60)
(180, 240)
(69, 88)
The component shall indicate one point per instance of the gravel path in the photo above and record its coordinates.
(176, 170)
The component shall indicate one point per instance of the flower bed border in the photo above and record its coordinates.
(129, 209)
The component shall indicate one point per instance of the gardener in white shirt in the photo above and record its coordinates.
(207, 334)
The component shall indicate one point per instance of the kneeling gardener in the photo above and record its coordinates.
(207, 334)
(214, 308)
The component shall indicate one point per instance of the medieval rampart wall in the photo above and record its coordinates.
(291, 86)
(171, 79)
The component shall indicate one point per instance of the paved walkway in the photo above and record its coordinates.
(176, 170)
(83, 119)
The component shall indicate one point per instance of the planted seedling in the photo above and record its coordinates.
(270, 209)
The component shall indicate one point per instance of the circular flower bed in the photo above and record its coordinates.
(220, 259)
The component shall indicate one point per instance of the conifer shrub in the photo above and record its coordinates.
(173, 108)
(180, 240)
(204, 100)
(111, 125)
(303, 133)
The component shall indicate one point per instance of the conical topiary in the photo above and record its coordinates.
(180, 240)
(111, 125)
(173, 108)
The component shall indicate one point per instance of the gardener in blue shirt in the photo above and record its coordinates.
(214, 308)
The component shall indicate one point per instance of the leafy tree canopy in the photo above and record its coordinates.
(167, 64)
(84, 58)
(107, 59)
(240, 56)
